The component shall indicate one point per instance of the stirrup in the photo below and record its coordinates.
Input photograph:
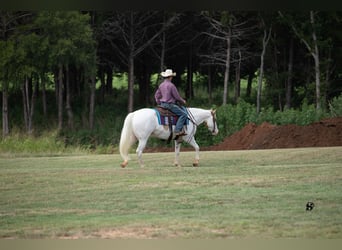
(179, 135)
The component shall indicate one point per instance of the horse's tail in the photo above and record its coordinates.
(127, 138)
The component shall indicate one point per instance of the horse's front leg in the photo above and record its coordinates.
(177, 152)
(197, 149)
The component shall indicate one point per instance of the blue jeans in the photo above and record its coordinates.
(179, 111)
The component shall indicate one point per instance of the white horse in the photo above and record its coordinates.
(143, 123)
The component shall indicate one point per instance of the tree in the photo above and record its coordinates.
(168, 39)
(9, 23)
(26, 51)
(290, 76)
(71, 43)
(311, 43)
(221, 28)
(267, 31)
(6, 52)
(227, 29)
(131, 33)
(297, 59)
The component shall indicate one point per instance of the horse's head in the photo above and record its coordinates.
(211, 123)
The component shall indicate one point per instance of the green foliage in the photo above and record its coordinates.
(105, 136)
(12, 57)
(45, 144)
(69, 35)
(6, 55)
(335, 106)
(232, 118)
(109, 117)
(33, 44)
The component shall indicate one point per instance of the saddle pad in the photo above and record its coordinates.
(166, 120)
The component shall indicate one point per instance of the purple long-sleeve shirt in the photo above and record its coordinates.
(167, 92)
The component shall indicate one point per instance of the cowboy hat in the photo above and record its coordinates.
(168, 73)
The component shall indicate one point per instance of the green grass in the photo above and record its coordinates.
(233, 194)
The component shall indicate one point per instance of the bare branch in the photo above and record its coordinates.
(297, 33)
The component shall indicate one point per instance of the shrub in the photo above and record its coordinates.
(46, 143)
(231, 118)
(335, 106)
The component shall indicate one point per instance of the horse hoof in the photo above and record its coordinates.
(195, 164)
(124, 164)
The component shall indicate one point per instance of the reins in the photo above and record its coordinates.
(192, 119)
(191, 116)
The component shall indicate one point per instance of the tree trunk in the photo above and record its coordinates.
(131, 68)
(109, 80)
(315, 55)
(277, 96)
(327, 77)
(162, 53)
(289, 77)
(130, 83)
(68, 99)
(43, 80)
(5, 127)
(147, 87)
(92, 103)
(103, 87)
(227, 68)
(33, 101)
(189, 89)
(60, 96)
(25, 102)
(55, 81)
(28, 104)
(143, 77)
(237, 79)
(210, 84)
(249, 84)
(261, 73)
(86, 98)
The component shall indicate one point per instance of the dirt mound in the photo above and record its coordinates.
(325, 133)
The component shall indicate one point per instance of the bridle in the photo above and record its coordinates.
(192, 119)
(214, 121)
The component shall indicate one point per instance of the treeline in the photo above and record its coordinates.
(62, 63)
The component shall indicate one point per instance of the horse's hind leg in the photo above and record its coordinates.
(140, 149)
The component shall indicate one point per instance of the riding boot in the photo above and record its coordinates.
(179, 134)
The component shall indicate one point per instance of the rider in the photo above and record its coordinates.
(167, 97)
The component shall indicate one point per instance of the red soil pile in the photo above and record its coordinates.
(325, 133)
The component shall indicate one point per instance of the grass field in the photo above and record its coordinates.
(233, 194)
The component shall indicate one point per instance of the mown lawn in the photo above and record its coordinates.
(233, 194)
